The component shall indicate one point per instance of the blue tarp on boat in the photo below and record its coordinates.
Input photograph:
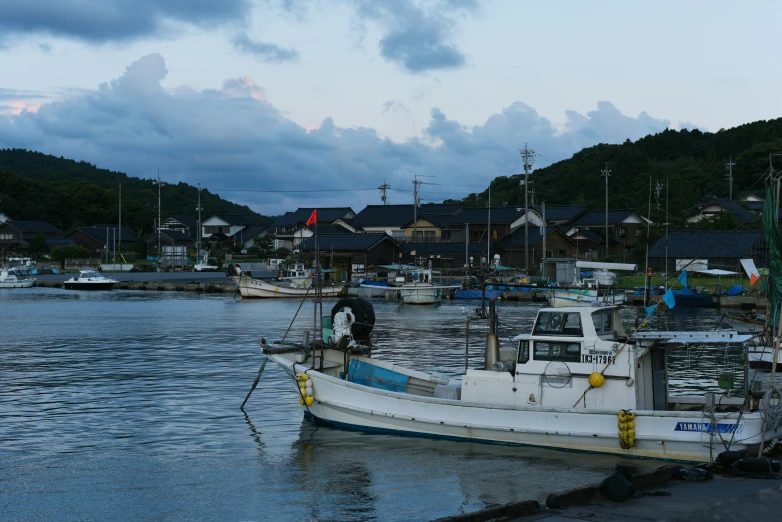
(735, 290)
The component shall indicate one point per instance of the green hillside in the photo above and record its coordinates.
(68, 194)
(691, 162)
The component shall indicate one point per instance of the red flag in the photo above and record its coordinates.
(313, 218)
(752, 279)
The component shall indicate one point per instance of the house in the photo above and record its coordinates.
(98, 239)
(392, 219)
(590, 243)
(625, 225)
(174, 246)
(222, 226)
(477, 220)
(290, 229)
(711, 248)
(514, 250)
(351, 254)
(719, 206)
(15, 236)
(555, 215)
(183, 224)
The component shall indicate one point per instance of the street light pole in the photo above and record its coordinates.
(159, 184)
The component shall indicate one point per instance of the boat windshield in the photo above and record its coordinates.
(558, 323)
(90, 273)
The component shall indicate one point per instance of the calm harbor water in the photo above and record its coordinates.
(125, 405)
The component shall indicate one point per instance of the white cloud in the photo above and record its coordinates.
(233, 137)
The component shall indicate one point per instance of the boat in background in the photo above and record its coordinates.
(89, 280)
(250, 287)
(592, 291)
(16, 278)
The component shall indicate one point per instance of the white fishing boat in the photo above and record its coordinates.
(16, 278)
(593, 291)
(578, 381)
(250, 287)
(89, 280)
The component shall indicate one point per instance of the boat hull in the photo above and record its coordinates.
(17, 284)
(419, 295)
(259, 289)
(669, 435)
(78, 285)
(578, 297)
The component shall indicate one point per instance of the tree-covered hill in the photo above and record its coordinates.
(691, 163)
(68, 194)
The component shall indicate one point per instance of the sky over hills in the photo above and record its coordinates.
(314, 95)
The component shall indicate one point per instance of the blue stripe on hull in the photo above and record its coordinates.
(417, 434)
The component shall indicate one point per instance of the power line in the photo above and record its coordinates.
(291, 191)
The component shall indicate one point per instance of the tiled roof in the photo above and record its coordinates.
(236, 219)
(755, 205)
(707, 243)
(597, 237)
(516, 237)
(343, 242)
(301, 215)
(99, 234)
(554, 213)
(60, 240)
(598, 217)
(480, 216)
(740, 213)
(445, 248)
(330, 229)
(399, 215)
(34, 227)
(187, 221)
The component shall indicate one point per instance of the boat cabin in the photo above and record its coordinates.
(89, 274)
(552, 364)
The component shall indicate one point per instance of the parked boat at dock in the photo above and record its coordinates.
(250, 287)
(16, 278)
(89, 280)
(567, 384)
(591, 291)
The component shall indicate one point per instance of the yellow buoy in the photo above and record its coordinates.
(301, 399)
(630, 415)
(302, 377)
(622, 426)
(596, 380)
(630, 434)
(309, 400)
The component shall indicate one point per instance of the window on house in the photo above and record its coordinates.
(549, 254)
(638, 232)
(557, 351)
(562, 253)
(622, 231)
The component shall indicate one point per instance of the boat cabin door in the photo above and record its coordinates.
(659, 379)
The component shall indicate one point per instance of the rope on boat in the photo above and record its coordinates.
(772, 413)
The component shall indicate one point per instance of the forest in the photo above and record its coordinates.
(673, 169)
(70, 194)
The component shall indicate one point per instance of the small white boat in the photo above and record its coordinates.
(89, 280)
(258, 288)
(16, 278)
(589, 294)
(578, 381)
(421, 290)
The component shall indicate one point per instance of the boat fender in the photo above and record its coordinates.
(727, 458)
(694, 474)
(757, 465)
(619, 486)
(596, 380)
(626, 432)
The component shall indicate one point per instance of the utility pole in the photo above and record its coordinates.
(729, 168)
(198, 208)
(159, 184)
(415, 206)
(606, 173)
(383, 188)
(527, 155)
(119, 224)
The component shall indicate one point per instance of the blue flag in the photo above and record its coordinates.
(683, 279)
(669, 299)
(650, 310)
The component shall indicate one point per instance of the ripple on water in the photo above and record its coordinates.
(125, 405)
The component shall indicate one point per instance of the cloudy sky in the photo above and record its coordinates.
(328, 97)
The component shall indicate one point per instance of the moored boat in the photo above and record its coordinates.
(568, 384)
(89, 280)
(250, 287)
(16, 278)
